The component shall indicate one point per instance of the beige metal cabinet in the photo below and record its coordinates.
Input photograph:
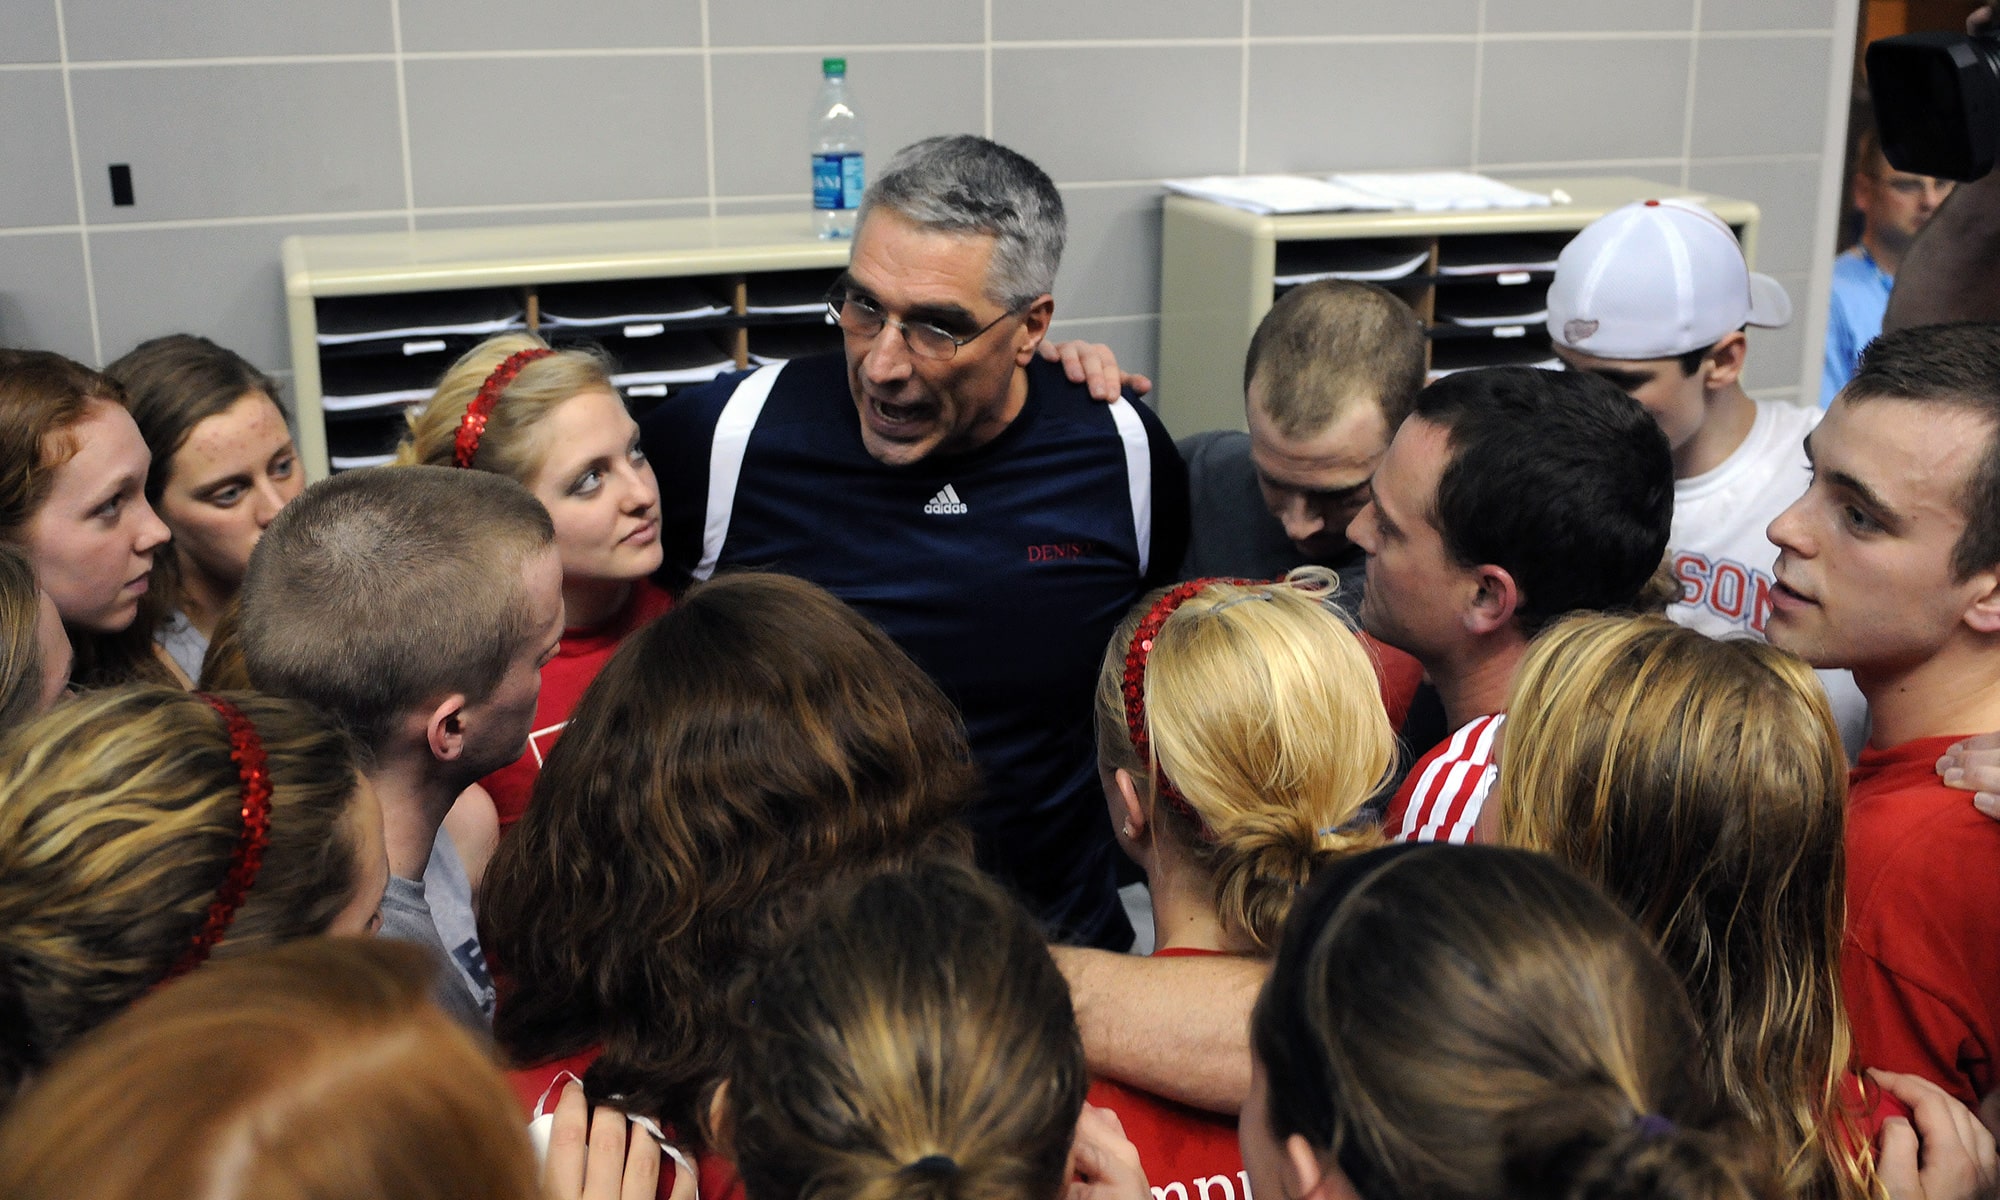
(1476, 278)
(376, 318)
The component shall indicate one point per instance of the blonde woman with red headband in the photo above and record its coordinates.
(144, 830)
(552, 421)
(1240, 731)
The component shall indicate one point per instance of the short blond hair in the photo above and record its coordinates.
(1325, 344)
(1264, 709)
(508, 446)
(383, 589)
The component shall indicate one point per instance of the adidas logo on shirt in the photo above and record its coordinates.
(946, 503)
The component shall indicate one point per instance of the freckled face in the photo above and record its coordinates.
(227, 481)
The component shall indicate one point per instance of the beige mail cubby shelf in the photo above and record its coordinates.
(376, 318)
(1478, 279)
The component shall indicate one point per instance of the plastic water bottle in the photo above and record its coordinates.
(837, 171)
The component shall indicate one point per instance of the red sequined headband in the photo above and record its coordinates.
(246, 750)
(473, 427)
(1135, 691)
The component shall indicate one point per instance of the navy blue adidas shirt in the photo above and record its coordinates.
(1002, 572)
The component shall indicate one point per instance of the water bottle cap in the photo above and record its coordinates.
(834, 66)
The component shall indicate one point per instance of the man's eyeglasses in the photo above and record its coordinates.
(864, 318)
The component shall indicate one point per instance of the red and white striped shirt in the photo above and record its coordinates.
(1442, 796)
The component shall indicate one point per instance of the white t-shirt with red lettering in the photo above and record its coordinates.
(1723, 557)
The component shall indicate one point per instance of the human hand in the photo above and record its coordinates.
(1973, 765)
(1940, 1152)
(594, 1159)
(1103, 1162)
(1094, 365)
(1981, 21)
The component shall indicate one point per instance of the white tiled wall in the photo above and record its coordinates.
(246, 120)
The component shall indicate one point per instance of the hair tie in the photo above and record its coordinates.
(1134, 690)
(246, 750)
(466, 444)
(1653, 1125)
(932, 1166)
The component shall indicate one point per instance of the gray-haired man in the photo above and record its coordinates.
(956, 489)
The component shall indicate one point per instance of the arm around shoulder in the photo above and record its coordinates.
(1176, 1027)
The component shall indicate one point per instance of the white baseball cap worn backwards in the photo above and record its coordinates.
(1657, 279)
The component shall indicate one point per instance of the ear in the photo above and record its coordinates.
(721, 1131)
(1725, 361)
(444, 728)
(1034, 327)
(1306, 1179)
(1493, 601)
(1132, 827)
(1983, 613)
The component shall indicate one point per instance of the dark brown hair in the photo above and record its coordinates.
(1956, 366)
(316, 1071)
(754, 744)
(1468, 1022)
(916, 1014)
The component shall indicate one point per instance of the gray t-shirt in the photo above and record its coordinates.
(436, 911)
(185, 644)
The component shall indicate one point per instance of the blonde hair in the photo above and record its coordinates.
(317, 1071)
(910, 1040)
(1701, 784)
(122, 810)
(1264, 710)
(20, 653)
(508, 446)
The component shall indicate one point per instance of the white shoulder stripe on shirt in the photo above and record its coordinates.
(1138, 475)
(725, 460)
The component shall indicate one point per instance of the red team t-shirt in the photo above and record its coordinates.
(580, 656)
(1921, 964)
(1188, 1154)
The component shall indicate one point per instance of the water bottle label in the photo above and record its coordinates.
(837, 180)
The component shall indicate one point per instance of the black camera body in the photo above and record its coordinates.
(1937, 102)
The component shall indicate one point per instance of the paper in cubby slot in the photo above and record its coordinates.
(351, 445)
(1497, 254)
(621, 303)
(781, 343)
(349, 385)
(480, 311)
(1374, 260)
(686, 357)
(1275, 194)
(785, 293)
(1465, 354)
(1440, 191)
(1492, 307)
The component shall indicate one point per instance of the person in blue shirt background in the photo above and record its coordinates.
(1893, 205)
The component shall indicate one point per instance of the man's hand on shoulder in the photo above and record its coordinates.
(1095, 366)
(1973, 765)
